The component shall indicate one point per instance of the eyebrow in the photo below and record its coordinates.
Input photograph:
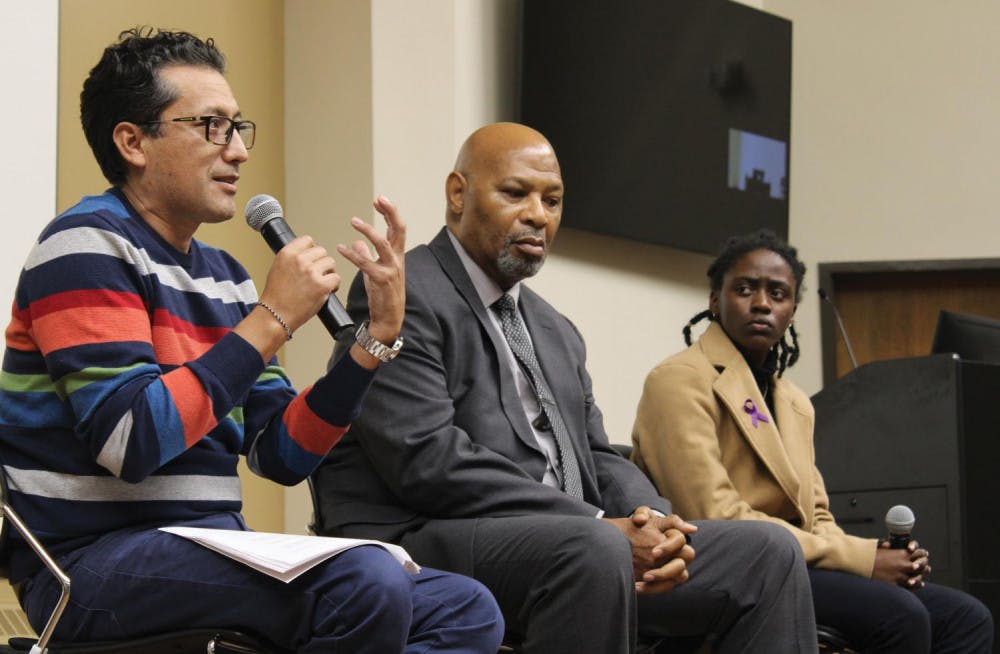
(771, 281)
(219, 111)
(524, 181)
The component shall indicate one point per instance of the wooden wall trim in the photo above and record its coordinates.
(829, 272)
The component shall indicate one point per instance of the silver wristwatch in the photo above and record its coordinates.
(374, 347)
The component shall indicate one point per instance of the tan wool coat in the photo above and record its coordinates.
(695, 437)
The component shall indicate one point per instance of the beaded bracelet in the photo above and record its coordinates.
(281, 321)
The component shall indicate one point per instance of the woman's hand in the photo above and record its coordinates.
(906, 567)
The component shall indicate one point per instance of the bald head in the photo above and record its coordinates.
(490, 145)
(505, 200)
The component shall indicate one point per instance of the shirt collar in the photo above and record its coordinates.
(487, 289)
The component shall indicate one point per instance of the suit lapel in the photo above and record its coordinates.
(550, 350)
(736, 389)
(443, 250)
(553, 356)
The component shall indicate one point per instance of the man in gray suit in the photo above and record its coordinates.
(480, 449)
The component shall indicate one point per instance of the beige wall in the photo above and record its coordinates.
(894, 136)
(27, 165)
(250, 33)
(328, 128)
(329, 158)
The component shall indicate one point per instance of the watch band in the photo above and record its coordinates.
(374, 347)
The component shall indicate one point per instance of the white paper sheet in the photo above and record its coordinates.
(282, 556)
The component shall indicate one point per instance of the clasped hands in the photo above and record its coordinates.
(903, 567)
(660, 552)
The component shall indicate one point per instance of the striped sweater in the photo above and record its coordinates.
(125, 397)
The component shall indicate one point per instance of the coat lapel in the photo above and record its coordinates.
(444, 252)
(734, 387)
(794, 421)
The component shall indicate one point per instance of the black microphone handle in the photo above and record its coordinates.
(277, 234)
(337, 321)
(898, 541)
(333, 315)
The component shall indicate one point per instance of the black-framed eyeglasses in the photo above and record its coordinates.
(219, 129)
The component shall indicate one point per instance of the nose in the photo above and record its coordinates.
(760, 301)
(535, 213)
(235, 150)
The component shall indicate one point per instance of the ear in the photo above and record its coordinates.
(454, 189)
(713, 302)
(128, 138)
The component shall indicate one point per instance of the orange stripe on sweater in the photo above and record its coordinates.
(86, 325)
(193, 404)
(309, 430)
(174, 347)
(17, 335)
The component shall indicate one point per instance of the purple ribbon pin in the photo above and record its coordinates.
(751, 407)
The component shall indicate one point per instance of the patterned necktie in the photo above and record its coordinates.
(517, 338)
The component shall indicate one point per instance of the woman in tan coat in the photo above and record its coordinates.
(724, 436)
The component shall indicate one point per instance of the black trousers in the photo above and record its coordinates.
(882, 618)
(565, 585)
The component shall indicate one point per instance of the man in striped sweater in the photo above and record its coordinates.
(140, 364)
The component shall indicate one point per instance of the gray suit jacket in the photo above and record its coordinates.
(443, 439)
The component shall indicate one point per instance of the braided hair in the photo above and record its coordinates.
(734, 248)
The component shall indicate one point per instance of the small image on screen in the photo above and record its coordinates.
(757, 164)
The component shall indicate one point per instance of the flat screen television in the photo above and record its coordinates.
(670, 118)
(972, 338)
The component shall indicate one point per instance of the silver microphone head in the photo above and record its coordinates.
(261, 209)
(900, 520)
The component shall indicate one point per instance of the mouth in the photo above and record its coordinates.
(229, 181)
(531, 245)
(760, 326)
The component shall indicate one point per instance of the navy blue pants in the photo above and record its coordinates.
(134, 583)
(882, 618)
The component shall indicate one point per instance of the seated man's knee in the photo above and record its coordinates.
(476, 600)
(773, 541)
(371, 581)
(604, 549)
(593, 549)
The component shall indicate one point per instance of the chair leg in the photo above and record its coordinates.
(832, 641)
(50, 626)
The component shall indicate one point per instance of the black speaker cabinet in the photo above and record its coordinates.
(924, 432)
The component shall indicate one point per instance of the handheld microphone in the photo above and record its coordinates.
(840, 324)
(899, 521)
(264, 215)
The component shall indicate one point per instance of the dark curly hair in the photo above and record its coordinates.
(734, 248)
(125, 86)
